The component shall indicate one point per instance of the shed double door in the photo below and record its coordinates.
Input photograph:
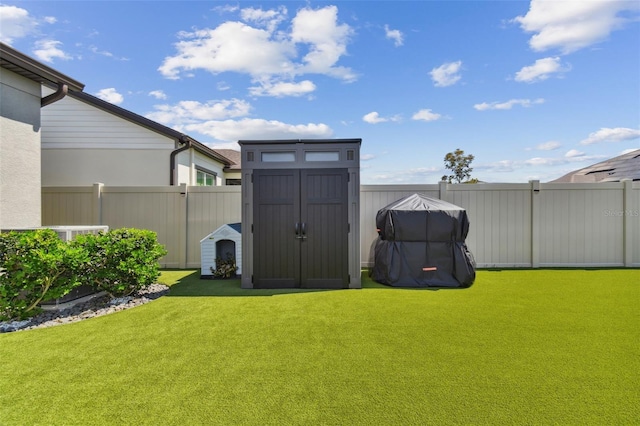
(300, 228)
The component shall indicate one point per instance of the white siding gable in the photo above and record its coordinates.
(70, 123)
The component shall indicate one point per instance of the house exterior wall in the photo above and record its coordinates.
(188, 163)
(20, 191)
(113, 167)
(82, 144)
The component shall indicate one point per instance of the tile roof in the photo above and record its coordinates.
(625, 166)
(233, 156)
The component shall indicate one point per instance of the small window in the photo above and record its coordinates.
(278, 157)
(205, 179)
(322, 156)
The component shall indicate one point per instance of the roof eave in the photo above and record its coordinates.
(28, 67)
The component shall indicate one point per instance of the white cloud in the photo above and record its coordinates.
(265, 53)
(158, 94)
(269, 19)
(426, 115)
(606, 134)
(572, 153)
(373, 118)
(106, 53)
(502, 166)
(282, 89)
(395, 35)
(48, 50)
(50, 19)
(110, 95)
(367, 157)
(254, 128)
(548, 146)
(508, 104)
(446, 74)
(15, 23)
(187, 112)
(420, 174)
(626, 151)
(232, 46)
(326, 39)
(541, 70)
(573, 25)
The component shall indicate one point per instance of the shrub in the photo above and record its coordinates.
(36, 266)
(121, 261)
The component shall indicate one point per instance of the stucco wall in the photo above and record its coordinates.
(113, 167)
(20, 192)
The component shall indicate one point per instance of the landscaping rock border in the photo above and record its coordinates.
(96, 307)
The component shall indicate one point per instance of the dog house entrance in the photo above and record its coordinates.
(225, 250)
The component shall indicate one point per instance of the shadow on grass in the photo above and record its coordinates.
(189, 284)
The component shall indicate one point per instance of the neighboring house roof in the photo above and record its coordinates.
(28, 67)
(150, 124)
(234, 156)
(625, 166)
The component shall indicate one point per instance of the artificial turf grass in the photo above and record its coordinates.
(519, 347)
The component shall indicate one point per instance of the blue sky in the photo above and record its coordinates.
(533, 89)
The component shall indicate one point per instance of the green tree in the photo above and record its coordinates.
(460, 167)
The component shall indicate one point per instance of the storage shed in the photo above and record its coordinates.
(221, 243)
(301, 201)
(421, 243)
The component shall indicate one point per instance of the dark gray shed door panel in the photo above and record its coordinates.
(324, 210)
(276, 211)
(301, 228)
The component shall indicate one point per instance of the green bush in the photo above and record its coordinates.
(36, 266)
(120, 261)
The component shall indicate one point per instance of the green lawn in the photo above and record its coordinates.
(519, 347)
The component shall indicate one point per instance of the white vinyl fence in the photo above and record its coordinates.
(512, 225)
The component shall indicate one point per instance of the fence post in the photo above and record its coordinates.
(96, 204)
(535, 223)
(628, 218)
(182, 223)
(443, 188)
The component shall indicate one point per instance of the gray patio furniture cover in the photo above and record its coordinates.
(421, 243)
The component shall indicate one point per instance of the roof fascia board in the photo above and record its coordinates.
(46, 73)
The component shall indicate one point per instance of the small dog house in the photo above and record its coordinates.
(221, 243)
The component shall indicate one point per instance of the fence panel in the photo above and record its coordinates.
(68, 206)
(512, 225)
(208, 209)
(580, 225)
(159, 209)
(500, 216)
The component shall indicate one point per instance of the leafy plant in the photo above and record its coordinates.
(460, 167)
(36, 266)
(225, 268)
(121, 261)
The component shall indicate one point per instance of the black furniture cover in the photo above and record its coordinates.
(421, 244)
